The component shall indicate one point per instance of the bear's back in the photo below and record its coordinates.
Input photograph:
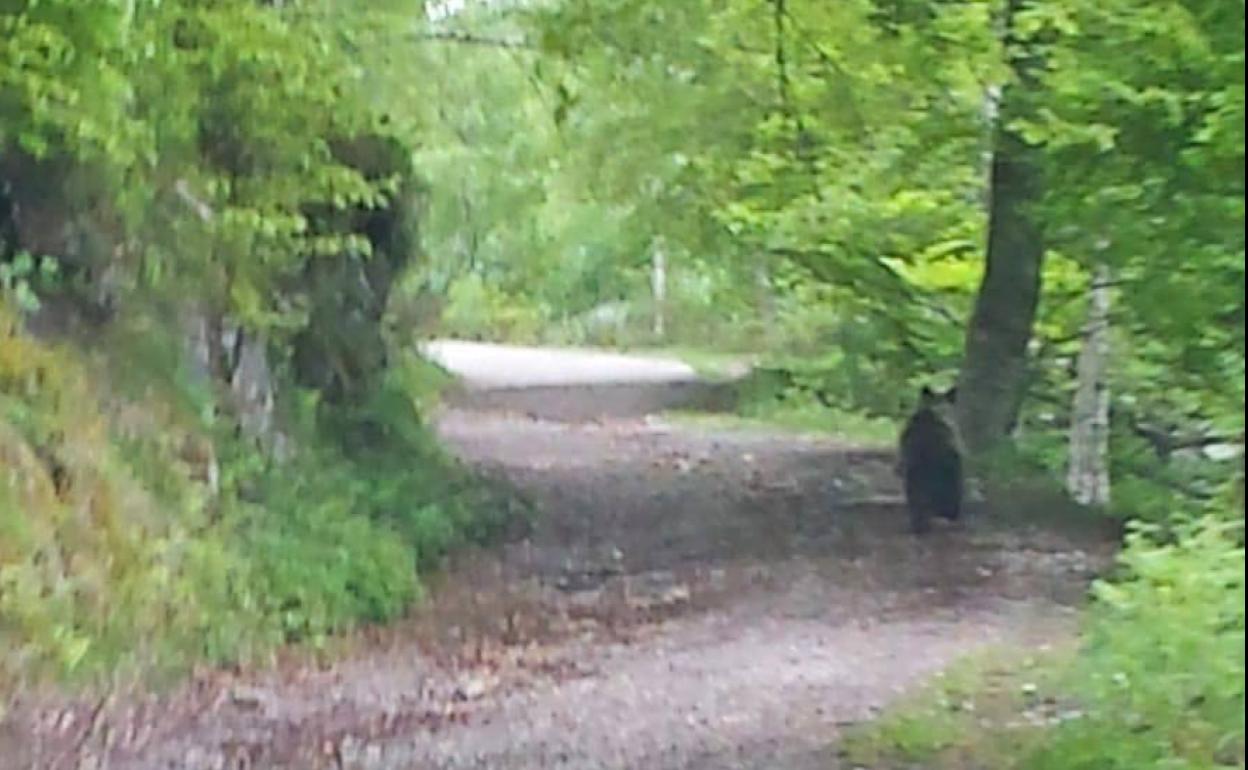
(927, 438)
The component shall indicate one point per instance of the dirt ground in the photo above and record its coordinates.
(687, 599)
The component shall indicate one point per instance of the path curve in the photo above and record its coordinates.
(688, 600)
(486, 365)
(575, 384)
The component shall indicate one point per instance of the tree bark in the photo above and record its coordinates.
(1087, 478)
(994, 368)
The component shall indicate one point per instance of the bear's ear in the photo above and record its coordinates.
(951, 395)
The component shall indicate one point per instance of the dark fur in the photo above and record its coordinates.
(931, 463)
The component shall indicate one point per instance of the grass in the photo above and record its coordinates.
(136, 536)
(712, 365)
(766, 409)
(981, 713)
(1155, 682)
(846, 426)
(798, 416)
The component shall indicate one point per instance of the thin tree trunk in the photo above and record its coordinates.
(658, 285)
(1087, 478)
(994, 369)
(766, 299)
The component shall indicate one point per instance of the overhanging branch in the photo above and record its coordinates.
(466, 38)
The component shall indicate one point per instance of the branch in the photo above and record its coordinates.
(201, 209)
(782, 71)
(813, 259)
(466, 38)
(1165, 443)
(830, 62)
(895, 282)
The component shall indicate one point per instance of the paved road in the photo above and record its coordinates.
(484, 365)
(574, 385)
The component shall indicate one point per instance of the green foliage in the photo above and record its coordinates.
(243, 164)
(475, 310)
(985, 711)
(813, 172)
(318, 563)
(1157, 682)
(856, 191)
(817, 176)
(111, 523)
(1163, 673)
(64, 74)
(1142, 124)
(20, 278)
(90, 553)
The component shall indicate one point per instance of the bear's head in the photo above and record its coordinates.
(932, 398)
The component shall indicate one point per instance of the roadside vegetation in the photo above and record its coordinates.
(224, 227)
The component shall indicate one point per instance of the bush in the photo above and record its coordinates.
(317, 562)
(1162, 674)
(1157, 680)
(339, 533)
(102, 532)
(476, 310)
(116, 551)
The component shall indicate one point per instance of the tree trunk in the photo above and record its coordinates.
(991, 111)
(994, 368)
(1087, 478)
(341, 351)
(658, 285)
(765, 299)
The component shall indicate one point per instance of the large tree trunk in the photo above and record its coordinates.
(1087, 478)
(342, 351)
(995, 365)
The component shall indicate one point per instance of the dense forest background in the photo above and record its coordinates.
(226, 224)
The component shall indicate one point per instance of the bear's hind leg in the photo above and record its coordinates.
(949, 506)
(919, 505)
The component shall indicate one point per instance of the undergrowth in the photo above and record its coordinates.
(978, 713)
(780, 398)
(847, 426)
(136, 534)
(1157, 682)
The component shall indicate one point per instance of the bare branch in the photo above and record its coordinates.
(201, 209)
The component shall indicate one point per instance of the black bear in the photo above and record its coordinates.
(930, 461)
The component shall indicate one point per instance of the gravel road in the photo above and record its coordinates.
(688, 599)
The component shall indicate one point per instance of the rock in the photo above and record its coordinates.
(474, 688)
(584, 600)
(250, 698)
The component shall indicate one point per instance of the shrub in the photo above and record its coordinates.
(90, 551)
(115, 551)
(1162, 674)
(476, 310)
(1156, 682)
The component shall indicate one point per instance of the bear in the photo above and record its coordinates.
(929, 460)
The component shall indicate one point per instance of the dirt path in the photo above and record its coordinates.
(687, 600)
